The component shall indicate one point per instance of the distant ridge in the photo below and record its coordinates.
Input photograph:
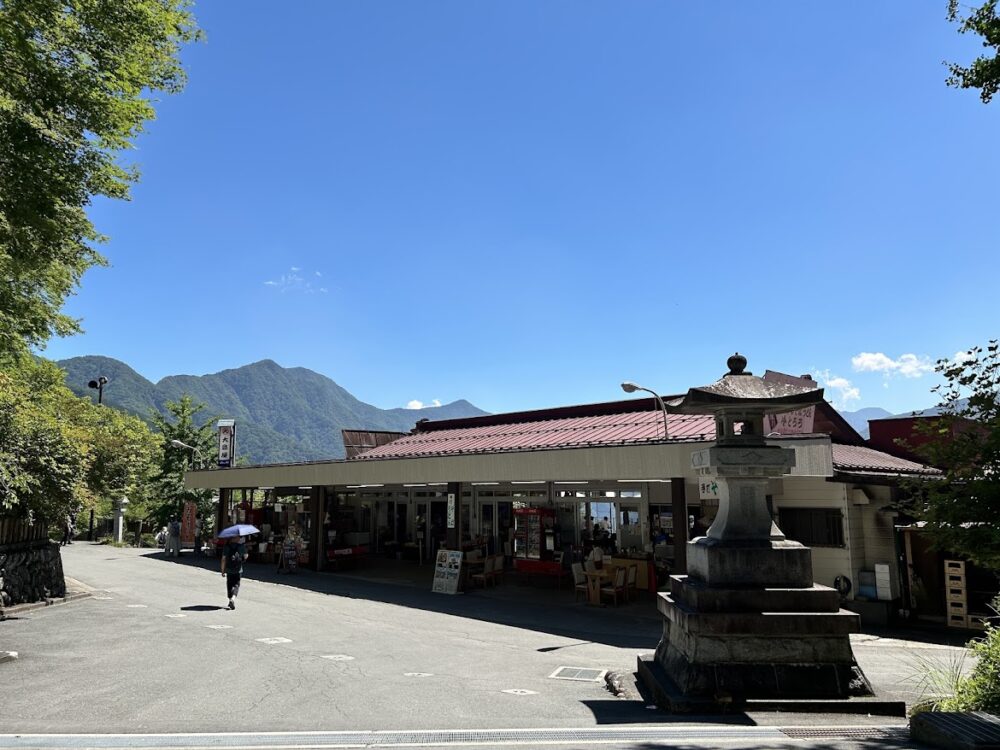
(282, 414)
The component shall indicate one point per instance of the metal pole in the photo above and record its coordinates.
(663, 409)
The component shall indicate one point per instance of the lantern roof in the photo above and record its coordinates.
(738, 389)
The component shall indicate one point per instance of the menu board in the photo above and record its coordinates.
(447, 572)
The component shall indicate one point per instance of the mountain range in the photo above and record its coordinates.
(282, 414)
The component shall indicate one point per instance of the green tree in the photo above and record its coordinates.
(964, 442)
(983, 73)
(181, 424)
(60, 453)
(76, 89)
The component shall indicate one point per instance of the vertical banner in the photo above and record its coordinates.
(451, 510)
(227, 443)
(187, 524)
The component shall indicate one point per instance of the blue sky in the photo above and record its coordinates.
(524, 203)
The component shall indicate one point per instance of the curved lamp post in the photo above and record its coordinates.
(185, 446)
(630, 387)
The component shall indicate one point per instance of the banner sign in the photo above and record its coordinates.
(227, 443)
(708, 488)
(187, 524)
(451, 510)
(798, 422)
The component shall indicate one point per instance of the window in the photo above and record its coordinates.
(814, 527)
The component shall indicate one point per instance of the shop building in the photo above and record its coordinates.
(589, 475)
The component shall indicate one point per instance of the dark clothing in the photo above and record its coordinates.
(232, 584)
(235, 554)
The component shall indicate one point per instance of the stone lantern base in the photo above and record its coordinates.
(749, 623)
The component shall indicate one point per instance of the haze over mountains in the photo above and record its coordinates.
(282, 414)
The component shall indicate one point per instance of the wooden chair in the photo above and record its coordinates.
(630, 582)
(494, 571)
(617, 588)
(579, 581)
(589, 566)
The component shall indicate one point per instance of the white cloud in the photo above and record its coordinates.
(908, 365)
(415, 404)
(845, 391)
(293, 281)
(963, 357)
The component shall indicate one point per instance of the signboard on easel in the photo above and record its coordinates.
(447, 572)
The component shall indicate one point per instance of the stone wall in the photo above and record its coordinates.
(30, 572)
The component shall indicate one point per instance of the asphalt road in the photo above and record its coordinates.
(154, 652)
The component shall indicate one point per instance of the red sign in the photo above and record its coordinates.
(187, 524)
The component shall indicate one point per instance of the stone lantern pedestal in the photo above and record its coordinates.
(747, 621)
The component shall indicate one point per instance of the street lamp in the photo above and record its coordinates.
(630, 387)
(98, 385)
(185, 446)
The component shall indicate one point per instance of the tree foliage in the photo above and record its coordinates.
(76, 88)
(983, 73)
(60, 453)
(964, 441)
(181, 424)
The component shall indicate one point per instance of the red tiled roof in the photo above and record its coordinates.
(571, 432)
(858, 459)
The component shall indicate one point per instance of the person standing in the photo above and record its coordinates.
(233, 555)
(197, 534)
(67, 531)
(174, 537)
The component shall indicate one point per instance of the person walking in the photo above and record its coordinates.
(233, 555)
(67, 531)
(174, 537)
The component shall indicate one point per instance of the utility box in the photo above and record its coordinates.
(886, 586)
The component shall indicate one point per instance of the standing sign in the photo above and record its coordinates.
(451, 510)
(187, 524)
(227, 443)
(447, 572)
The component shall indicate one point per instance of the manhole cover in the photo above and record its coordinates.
(582, 674)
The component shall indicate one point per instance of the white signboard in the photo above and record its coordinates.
(451, 510)
(708, 488)
(798, 422)
(227, 442)
(447, 572)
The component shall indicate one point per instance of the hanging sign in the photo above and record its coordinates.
(447, 572)
(227, 443)
(451, 510)
(798, 422)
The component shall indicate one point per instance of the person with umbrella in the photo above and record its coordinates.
(233, 556)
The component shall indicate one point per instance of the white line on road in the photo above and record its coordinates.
(417, 674)
(177, 615)
(137, 606)
(520, 691)
(219, 627)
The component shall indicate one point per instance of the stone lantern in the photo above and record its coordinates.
(119, 529)
(747, 621)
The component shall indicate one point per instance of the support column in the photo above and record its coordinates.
(679, 511)
(222, 513)
(316, 495)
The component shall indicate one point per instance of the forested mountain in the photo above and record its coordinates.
(282, 414)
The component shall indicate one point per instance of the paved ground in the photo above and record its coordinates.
(153, 652)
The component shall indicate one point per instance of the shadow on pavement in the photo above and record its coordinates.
(623, 711)
(201, 608)
(544, 609)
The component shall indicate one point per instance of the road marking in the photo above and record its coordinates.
(417, 674)
(272, 641)
(337, 657)
(219, 627)
(103, 598)
(177, 615)
(137, 606)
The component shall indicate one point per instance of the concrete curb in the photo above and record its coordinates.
(75, 590)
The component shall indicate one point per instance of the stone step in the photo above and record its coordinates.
(700, 597)
(758, 624)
